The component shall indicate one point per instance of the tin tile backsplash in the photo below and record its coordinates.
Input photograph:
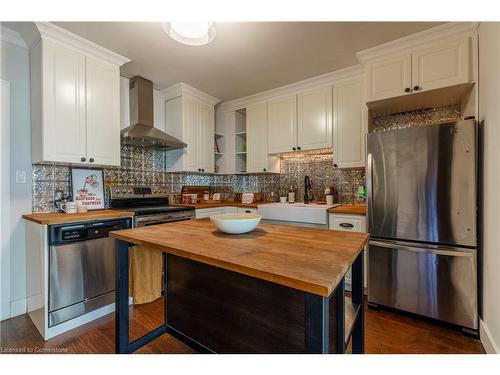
(144, 167)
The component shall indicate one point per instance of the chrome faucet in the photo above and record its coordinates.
(307, 188)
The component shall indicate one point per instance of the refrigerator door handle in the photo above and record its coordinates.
(369, 187)
(430, 250)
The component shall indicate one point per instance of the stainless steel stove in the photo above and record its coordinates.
(150, 205)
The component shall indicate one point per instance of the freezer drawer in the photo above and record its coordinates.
(437, 282)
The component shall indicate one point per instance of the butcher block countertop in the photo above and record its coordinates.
(59, 218)
(349, 209)
(309, 259)
(220, 204)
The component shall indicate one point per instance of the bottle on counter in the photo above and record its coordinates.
(328, 197)
(291, 196)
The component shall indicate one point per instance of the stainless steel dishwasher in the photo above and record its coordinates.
(81, 267)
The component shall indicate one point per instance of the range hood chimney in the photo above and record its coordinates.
(141, 132)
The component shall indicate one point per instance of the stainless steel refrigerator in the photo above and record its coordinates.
(422, 209)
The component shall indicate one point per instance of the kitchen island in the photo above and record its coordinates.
(277, 289)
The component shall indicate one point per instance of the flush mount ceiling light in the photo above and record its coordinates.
(191, 33)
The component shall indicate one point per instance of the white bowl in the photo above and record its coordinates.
(236, 223)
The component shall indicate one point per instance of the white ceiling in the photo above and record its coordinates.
(245, 58)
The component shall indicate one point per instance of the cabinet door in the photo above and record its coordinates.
(349, 124)
(206, 137)
(158, 110)
(440, 65)
(389, 77)
(314, 118)
(124, 103)
(257, 138)
(282, 124)
(103, 113)
(191, 135)
(63, 104)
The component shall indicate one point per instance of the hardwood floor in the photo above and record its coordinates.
(386, 333)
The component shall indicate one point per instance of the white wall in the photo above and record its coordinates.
(489, 112)
(14, 62)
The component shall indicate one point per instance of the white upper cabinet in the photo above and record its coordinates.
(58, 101)
(75, 100)
(349, 123)
(314, 118)
(389, 77)
(158, 110)
(206, 125)
(440, 65)
(191, 121)
(103, 112)
(420, 68)
(258, 159)
(282, 124)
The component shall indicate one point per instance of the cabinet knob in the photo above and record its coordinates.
(91, 160)
(203, 169)
(335, 165)
(293, 148)
(298, 147)
(199, 169)
(83, 159)
(264, 169)
(407, 89)
(416, 88)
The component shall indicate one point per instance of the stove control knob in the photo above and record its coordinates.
(154, 191)
(130, 192)
(117, 191)
(124, 191)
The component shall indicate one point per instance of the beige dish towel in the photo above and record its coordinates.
(145, 274)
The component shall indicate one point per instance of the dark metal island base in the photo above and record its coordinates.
(218, 310)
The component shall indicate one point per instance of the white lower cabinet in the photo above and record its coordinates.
(201, 213)
(351, 223)
(246, 210)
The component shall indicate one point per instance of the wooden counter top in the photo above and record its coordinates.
(202, 205)
(59, 218)
(309, 259)
(348, 209)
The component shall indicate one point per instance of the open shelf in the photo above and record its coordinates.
(351, 312)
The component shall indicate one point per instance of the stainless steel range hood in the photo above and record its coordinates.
(141, 132)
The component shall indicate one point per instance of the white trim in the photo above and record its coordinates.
(399, 45)
(55, 33)
(487, 340)
(182, 88)
(327, 78)
(12, 37)
(5, 198)
(18, 307)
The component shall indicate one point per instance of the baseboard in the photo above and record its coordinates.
(489, 344)
(18, 307)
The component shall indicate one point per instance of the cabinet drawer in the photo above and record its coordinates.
(351, 223)
(207, 212)
(247, 210)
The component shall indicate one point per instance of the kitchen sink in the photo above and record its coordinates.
(311, 213)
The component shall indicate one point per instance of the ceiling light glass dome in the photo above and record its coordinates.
(191, 33)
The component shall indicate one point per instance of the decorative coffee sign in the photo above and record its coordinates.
(88, 187)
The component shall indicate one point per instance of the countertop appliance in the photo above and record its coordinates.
(149, 204)
(81, 267)
(422, 213)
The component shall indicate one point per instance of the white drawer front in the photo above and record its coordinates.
(247, 210)
(349, 223)
(207, 212)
